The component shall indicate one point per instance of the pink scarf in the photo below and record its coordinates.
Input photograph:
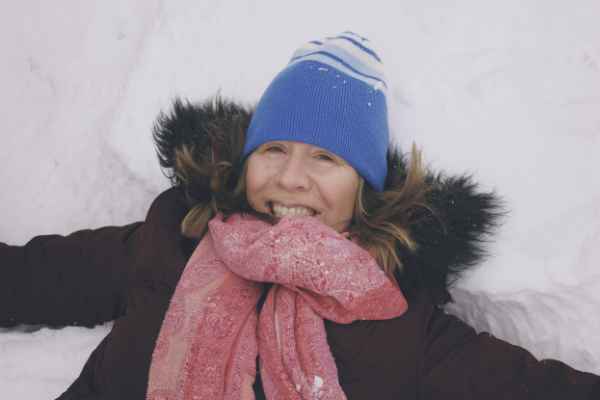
(212, 332)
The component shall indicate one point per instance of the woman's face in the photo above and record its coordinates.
(293, 178)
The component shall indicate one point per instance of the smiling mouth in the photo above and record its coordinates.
(279, 210)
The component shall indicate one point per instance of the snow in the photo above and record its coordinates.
(317, 387)
(508, 91)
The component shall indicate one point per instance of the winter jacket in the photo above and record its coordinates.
(128, 274)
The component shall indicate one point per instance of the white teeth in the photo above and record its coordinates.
(282, 211)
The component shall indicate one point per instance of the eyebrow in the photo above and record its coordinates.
(334, 156)
(330, 153)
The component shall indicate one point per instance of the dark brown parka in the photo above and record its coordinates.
(128, 274)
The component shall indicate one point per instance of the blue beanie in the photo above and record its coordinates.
(332, 94)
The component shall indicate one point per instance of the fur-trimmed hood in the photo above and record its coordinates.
(450, 235)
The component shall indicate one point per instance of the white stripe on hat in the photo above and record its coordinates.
(377, 84)
(349, 52)
(360, 42)
(342, 57)
(357, 52)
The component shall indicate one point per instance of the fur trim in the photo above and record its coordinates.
(214, 130)
(450, 236)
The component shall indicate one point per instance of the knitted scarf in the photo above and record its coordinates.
(212, 331)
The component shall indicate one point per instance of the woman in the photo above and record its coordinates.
(294, 239)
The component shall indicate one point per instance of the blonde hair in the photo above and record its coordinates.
(382, 220)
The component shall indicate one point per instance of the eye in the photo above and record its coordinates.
(325, 157)
(273, 148)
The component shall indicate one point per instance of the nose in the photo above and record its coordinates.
(294, 175)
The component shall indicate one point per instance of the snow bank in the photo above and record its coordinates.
(508, 91)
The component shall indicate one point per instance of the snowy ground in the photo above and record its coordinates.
(508, 91)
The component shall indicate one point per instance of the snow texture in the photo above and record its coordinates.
(508, 91)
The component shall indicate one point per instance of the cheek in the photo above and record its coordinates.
(254, 181)
(251, 191)
(348, 200)
(341, 196)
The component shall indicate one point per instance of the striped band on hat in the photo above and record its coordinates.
(348, 53)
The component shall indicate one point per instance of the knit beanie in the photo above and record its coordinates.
(332, 94)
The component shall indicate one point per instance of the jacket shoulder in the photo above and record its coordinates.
(168, 204)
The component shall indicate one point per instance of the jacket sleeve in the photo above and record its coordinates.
(461, 364)
(79, 279)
